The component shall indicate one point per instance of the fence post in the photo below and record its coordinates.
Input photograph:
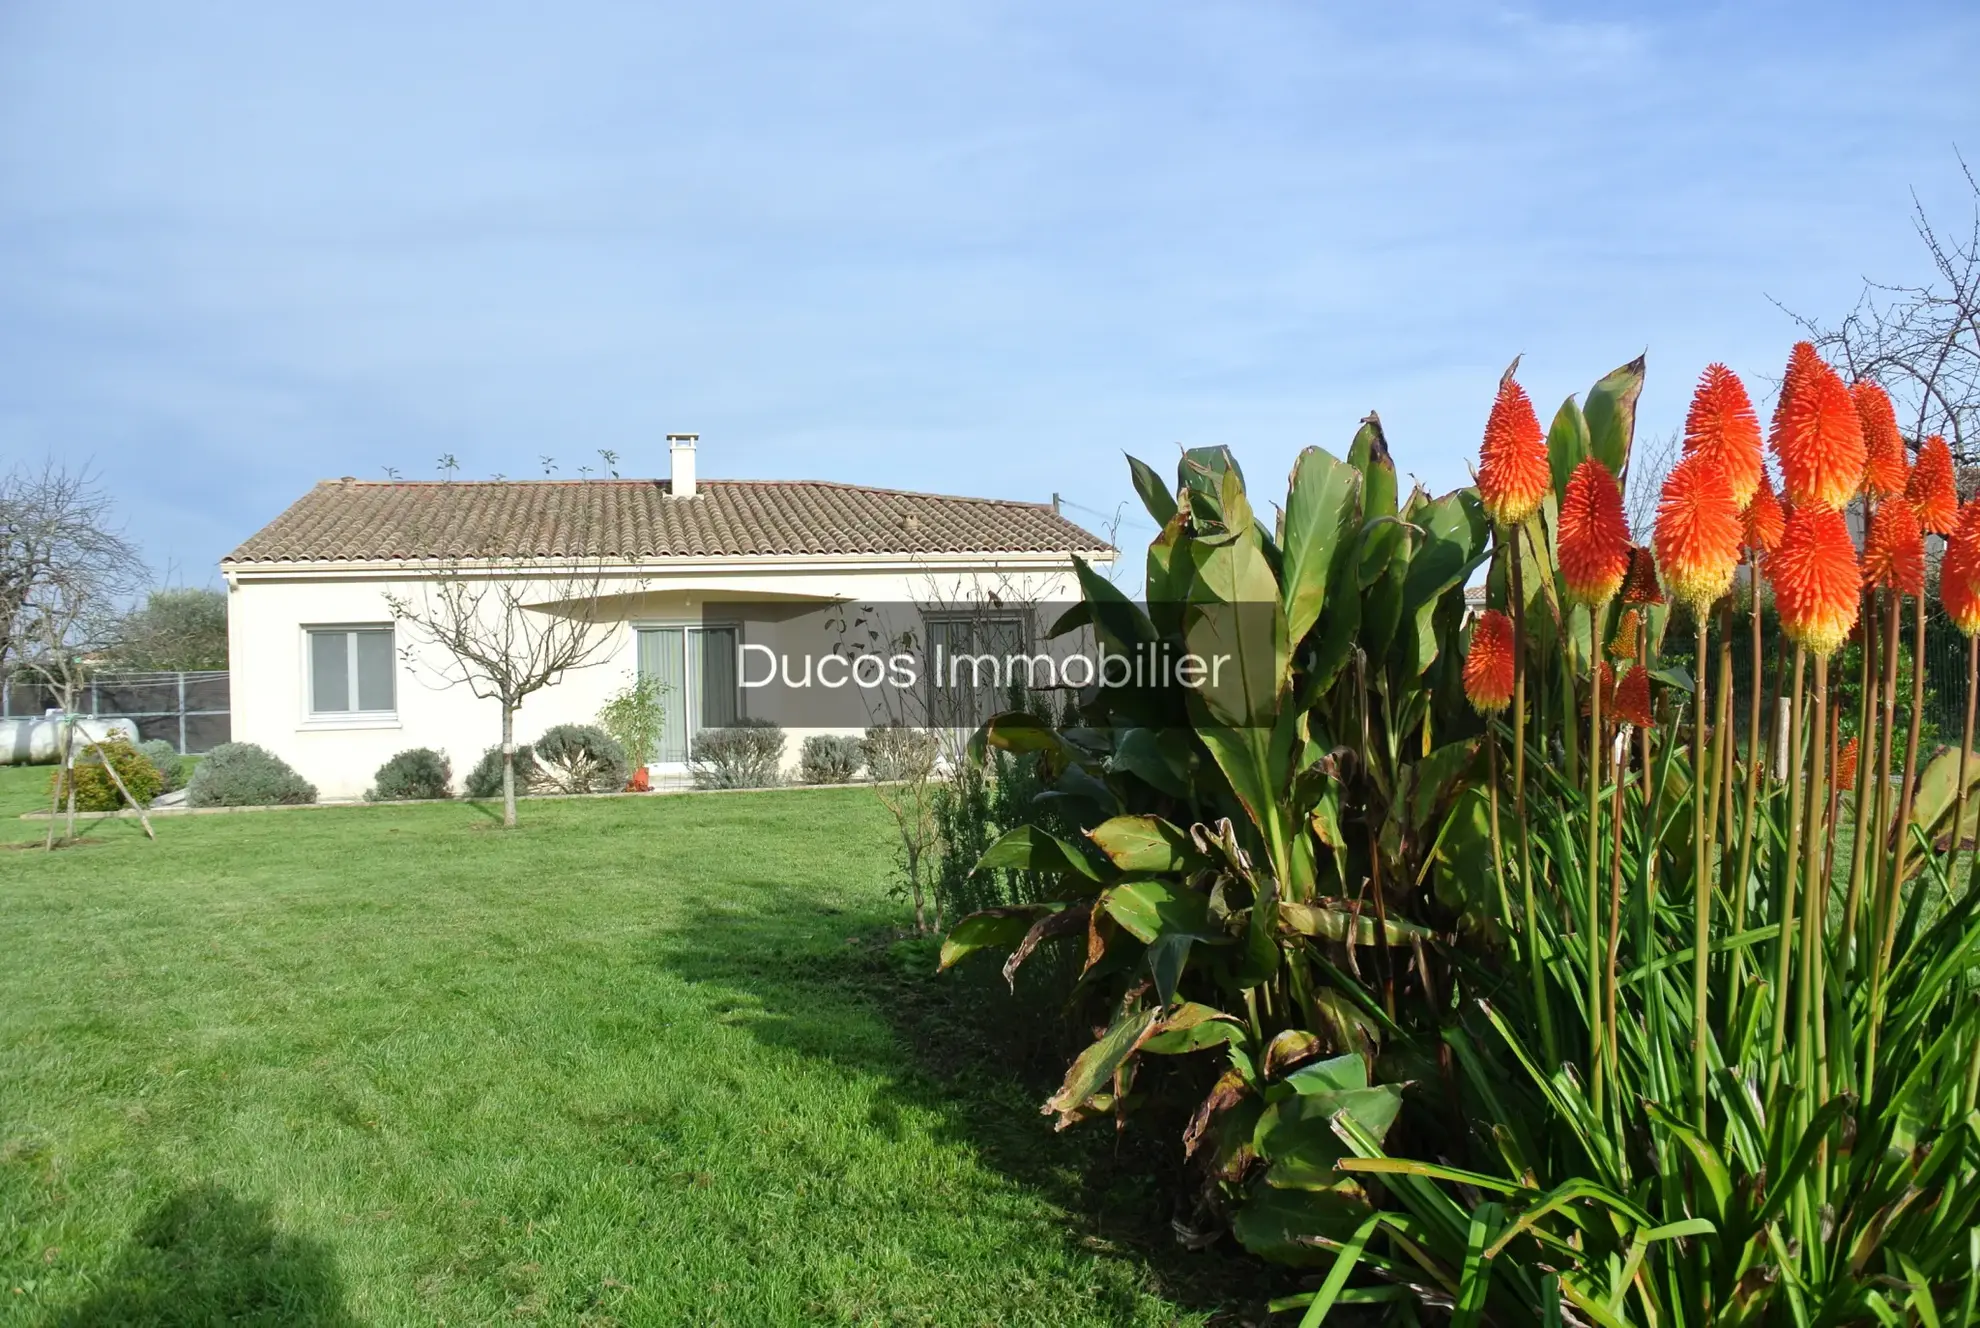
(182, 712)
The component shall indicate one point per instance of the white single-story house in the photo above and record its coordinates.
(709, 585)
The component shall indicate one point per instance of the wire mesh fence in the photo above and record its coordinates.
(190, 710)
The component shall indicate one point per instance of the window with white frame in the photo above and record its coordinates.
(350, 671)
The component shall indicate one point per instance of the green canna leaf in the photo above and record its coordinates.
(1455, 540)
(992, 929)
(1028, 848)
(1611, 415)
(1155, 495)
(1148, 910)
(1567, 446)
(1323, 515)
(1146, 844)
(1096, 1065)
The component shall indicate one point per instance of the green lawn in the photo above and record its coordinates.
(640, 1061)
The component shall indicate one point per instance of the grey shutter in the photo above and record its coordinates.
(718, 699)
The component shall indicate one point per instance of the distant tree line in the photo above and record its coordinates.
(70, 588)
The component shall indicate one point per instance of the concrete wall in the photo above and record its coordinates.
(271, 607)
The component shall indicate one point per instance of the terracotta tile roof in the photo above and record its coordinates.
(365, 521)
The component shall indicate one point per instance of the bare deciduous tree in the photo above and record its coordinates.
(508, 629)
(1921, 342)
(1650, 463)
(65, 571)
(58, 524)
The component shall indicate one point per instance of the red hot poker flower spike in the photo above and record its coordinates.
(1605, 678)
(1885, 466)
(1764, 520)
(1623, 644)
(1932, 492)
(1721, 425)
(1959, 573)
(1698, 531)
(1488, 667)
(1594, 536)
(1818, 436)
(1633, 698)
(1801, 364)
(1513, 472)
(1641, 586)
(1817, 583)
(1894, 553)
(1846, 765)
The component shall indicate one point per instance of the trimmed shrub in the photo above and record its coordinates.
(165, 759)
(579, 758)
(241, 774)
(94, 790)
(828, 758)
(748, 754)
(485, 780)
(891, 752)
(414, 774)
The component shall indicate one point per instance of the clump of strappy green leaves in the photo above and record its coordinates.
(1446, 1100)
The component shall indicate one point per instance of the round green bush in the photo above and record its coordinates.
(240, 774)
(95, 792)
(828, 758)
(414, 774)
(891, 752)
(579, 758)
(485, 780)
(747, 754)
(165, 758)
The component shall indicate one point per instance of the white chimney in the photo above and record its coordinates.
(680, 454)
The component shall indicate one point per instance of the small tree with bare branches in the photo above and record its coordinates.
(507, 628)
(1921, 341)
(65, 570)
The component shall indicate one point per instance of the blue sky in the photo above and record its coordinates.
(978, 248)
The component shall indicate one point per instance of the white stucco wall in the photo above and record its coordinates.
(271, 607)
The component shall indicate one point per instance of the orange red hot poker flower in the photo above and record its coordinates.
(1605, 681)
(1698, 531)
(1959, 573)
(1513, 472)
(1931, 491)
(1763, 519)
(1488, 667)
(1633, 698)
(1846, 765)
(1885, 467)
(1628, 630)
(1594, 535)
(1818, 436)
(1721, 425)
(1640, 586)
(1894, 552)
(1817, 584)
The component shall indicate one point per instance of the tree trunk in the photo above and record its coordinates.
(54, 810)
(69, 771)
(508, 765)
(914, 889)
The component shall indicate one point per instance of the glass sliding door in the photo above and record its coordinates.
(662, 657)
(696, 667)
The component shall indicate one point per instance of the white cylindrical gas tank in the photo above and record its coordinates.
(39, 741)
